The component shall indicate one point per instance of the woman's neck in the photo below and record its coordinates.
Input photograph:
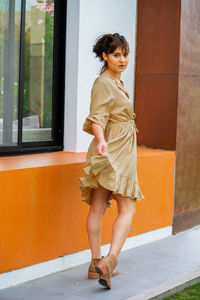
(113, 74)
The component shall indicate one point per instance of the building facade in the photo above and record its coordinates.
(47, 69)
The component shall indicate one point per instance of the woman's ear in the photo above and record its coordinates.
(104, 55)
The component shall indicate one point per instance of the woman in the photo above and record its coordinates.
(110, 171)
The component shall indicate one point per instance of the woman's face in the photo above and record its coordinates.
(117, 61)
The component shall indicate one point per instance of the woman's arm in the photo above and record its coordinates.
(98, 132)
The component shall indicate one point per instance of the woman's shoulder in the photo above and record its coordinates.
(103, 80)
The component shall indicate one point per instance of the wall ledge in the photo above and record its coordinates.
(59, 158)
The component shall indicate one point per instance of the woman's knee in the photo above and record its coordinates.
(126, 205)
(98, 208)
(99, 200)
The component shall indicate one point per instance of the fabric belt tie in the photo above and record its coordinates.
(131, 141)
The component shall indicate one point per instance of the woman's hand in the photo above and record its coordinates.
(98, 132)
(101, 148)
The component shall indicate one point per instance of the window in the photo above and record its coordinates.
(32, 60)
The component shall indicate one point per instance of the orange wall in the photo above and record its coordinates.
(42, 215)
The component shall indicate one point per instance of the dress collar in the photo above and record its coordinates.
(119, 83)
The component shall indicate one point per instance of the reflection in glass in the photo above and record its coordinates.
(10, 18)
(38, 71)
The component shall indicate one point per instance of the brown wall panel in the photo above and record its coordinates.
(156, 110)
(156, 82)
(158, 36)
(186, 220)
(190, 38)
(187, 186)
(187, 193)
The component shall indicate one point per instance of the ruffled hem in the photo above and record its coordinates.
(100, 171)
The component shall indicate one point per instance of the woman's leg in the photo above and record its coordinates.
(122, 224)
(98, 206)
(120, 231)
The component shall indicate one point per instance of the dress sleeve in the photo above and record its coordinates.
(100, 106)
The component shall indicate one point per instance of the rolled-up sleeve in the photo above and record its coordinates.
(100, 106)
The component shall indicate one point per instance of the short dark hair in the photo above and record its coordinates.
(108, 43)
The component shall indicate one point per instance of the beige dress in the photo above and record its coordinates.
(116, 171)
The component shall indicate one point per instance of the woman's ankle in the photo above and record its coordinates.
(97, 257)
(115, 253)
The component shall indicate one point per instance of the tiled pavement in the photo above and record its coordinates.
(141, 269)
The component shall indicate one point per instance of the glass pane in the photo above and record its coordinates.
(10, 18)
(38, 75)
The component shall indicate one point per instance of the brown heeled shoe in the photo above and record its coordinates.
(105, 269)
(92, 274)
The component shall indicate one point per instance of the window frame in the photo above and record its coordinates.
(58, 90)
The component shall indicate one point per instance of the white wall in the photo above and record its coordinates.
(71, 76)
(95, 18)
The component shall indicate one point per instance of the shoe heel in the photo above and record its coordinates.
(105, 283)
(101, 268)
